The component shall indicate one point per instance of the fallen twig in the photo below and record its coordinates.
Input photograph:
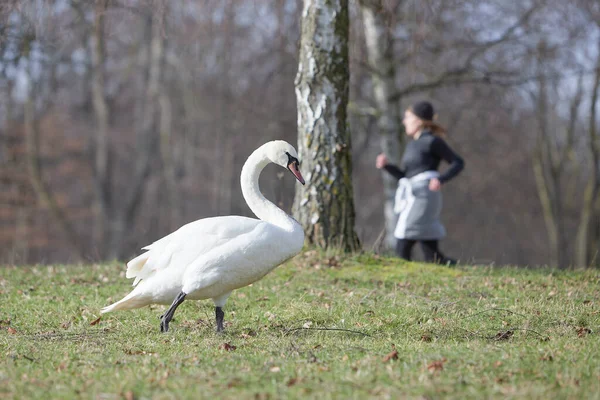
(494, 309)
(326, 329)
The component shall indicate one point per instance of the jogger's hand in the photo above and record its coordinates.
(381, 161)
(435, 184)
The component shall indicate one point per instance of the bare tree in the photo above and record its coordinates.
(146, 135)
(99, 141)
(554, 144)
(32, 138)
(223, 176)
(224, 78)
(380, 46)
(325, 206)
(590, 196)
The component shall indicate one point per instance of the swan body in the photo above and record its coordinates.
(211, 257)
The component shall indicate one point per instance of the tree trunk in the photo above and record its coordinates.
(223, 175)
(547, 200)
(582, 250)
(168, 154)
(19, 248)
(99, 141)
(43, 192)
(546, 175)
(325, 205)
(381, 64)
(146, 136)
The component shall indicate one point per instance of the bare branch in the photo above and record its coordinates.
(459, 75)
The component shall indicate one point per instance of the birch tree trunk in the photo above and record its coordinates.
(325, 205)
(381, 64)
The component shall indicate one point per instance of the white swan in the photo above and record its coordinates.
(209, 258)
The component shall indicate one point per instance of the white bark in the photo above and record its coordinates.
(325, 206)
(380, 57)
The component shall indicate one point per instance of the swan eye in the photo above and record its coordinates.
(293, 165)
(292, 159)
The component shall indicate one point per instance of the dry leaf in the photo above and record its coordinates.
(583, 331)
(234, 382)
(248, 334)
(135, 352)
(503, 335)
(391, 356)
(129, 395)
(426, 338)
(270, 316)
(95, 322)
(227, 347)
(292, 382)
(12, 331)
(438, 365)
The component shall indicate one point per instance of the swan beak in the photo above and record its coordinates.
(293, 167)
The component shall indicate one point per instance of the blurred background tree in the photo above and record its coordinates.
(121, 120)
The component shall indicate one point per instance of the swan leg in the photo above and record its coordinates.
(168, 316)
(220, 315)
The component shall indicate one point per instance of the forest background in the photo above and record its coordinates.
(121, 120)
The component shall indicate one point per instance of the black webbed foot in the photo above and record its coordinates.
(168, 316)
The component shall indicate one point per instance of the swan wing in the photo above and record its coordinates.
(238, 262)
(191, 241)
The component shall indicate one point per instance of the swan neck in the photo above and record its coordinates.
(258, 203)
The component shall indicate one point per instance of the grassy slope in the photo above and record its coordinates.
(458, 333)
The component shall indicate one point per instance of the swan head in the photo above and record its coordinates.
(283, 154)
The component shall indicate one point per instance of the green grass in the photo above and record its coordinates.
(317, 327)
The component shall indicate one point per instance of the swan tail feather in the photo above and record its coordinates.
(129, 302)
(134, 267)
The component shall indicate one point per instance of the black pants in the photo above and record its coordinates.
(430, 251)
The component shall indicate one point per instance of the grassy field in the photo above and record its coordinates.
(317, 327)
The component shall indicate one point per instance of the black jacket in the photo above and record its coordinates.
(425, 154)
